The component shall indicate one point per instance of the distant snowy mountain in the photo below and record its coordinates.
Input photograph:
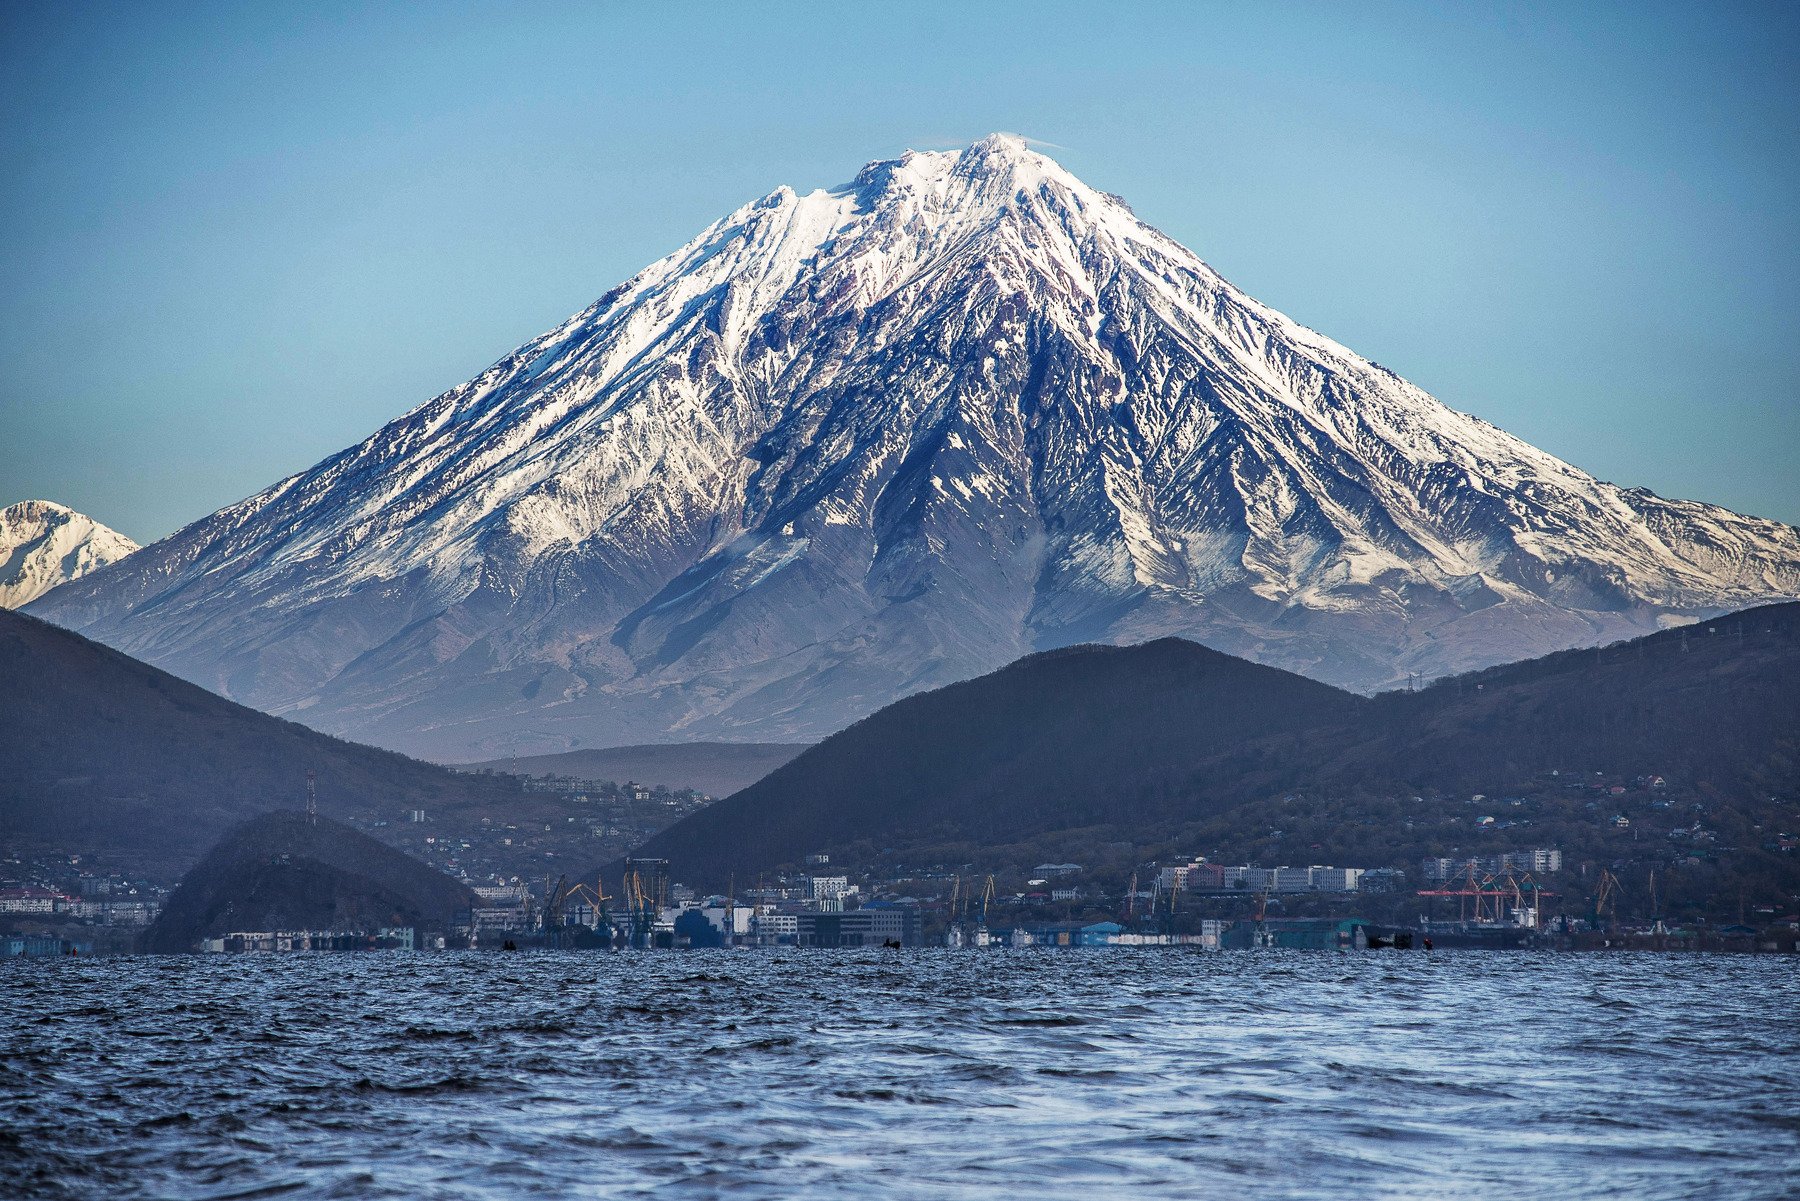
(845, 446)
(44, 544)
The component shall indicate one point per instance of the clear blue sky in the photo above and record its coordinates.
(236, 238)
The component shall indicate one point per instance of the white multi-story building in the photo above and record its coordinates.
(1292, 879)
(1177, 876)
(1542, 859)
(502, 908)
(1337, 879)
(28, 900)
(771, 927)
(131, 913)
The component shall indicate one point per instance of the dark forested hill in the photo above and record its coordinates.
(1098, 746)
(279, 871)
(1093, 736)
(1716, 701)
(101, 752)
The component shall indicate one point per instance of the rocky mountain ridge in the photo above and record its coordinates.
(44, 544)
(847, 446)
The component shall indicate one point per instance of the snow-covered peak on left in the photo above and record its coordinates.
(43, 544)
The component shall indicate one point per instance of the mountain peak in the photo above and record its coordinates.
(1010, 156)
(36, 510)
(971, 178)
(44, 544)
(845, 446)
(1001, 147)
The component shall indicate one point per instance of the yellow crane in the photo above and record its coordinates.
(637, 904)
(1606, 899)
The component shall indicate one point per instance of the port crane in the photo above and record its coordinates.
(640, 909)
(600, 900)
(1606, 900)
(577, 893)
(556, 898)
(1489, 899)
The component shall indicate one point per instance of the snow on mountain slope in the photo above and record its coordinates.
(849, 445)
(44, 544)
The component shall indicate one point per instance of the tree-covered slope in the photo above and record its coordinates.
(102, 751)
(282, 871)
(1170, 744)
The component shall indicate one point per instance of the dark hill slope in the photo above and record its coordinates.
(1714, 709)
(1718, 701)
(280, 871)
(1170, 742)
(1087, 736)
(102, 752)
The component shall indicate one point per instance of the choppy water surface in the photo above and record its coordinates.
(919, 1074)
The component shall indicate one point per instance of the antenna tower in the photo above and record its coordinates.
(312, 799)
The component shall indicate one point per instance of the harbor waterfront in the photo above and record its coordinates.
(918, 1073)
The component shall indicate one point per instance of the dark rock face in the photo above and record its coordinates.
(281, 871)
(849, 446)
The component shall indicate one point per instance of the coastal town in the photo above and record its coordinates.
(1507, 900)
(1640, 841)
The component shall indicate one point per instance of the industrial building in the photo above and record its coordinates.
(872, 927)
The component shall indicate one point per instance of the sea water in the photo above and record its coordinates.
(920, 1073)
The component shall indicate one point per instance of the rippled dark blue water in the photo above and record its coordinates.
(919, 1074)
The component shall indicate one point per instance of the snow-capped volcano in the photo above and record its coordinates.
(43, 544)
(848, 445)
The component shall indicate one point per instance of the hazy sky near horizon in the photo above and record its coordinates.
(238, 238)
